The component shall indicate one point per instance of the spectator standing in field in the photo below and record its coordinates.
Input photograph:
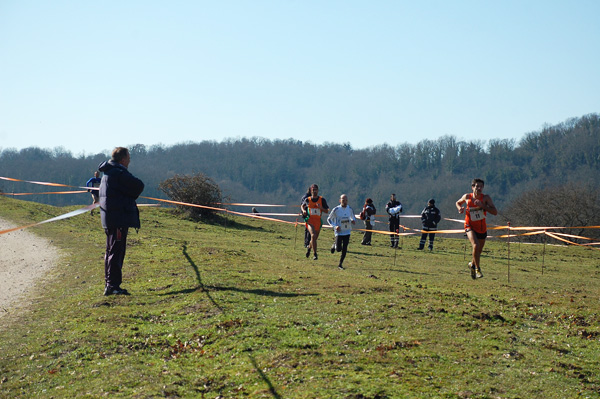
(393, 208)
(313, 207)
(341, 219)
(305, 216)
(94, 182)
(430, 217)
(118, 210)
(368, 213)
(477, 205)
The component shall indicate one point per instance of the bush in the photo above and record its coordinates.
(196, 189)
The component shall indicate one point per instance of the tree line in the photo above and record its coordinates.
(280, 171)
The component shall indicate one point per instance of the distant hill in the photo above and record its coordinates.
(280, 171)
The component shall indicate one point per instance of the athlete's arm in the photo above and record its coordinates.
(460, 202)
(488, 205)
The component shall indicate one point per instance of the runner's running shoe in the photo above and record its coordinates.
(478, 273)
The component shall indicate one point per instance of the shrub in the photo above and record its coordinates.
(196, 189)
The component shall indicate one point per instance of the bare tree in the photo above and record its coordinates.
(569, 206)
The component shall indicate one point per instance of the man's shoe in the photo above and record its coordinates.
(315, 257)
(473, 272)
(115, 291)
(341, 267)
(478, 273)
(420, 248)
(333, 248)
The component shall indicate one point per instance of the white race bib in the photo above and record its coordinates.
(345, 224)
(315, 211)
(477, 214)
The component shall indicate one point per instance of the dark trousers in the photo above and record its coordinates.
(367, 238)
(306, 238)
(424, 239)
(341, 244)
(116, 243)
(394, 228)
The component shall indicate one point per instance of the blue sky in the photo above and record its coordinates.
(89, 76)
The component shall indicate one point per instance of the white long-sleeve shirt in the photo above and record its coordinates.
(342, 217)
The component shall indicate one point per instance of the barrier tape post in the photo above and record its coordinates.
(544, 251)
(465, 249)
(295, 234)
(402, 245)
(508, 248)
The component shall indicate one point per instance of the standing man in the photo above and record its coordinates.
(393, 208)
(430, 217)
(313, 207)
(304, 215)
(477, 206)
(118, 191)
(369, 218)
(341, 219)
(94, 182)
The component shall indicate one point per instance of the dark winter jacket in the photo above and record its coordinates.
(430, 217)
(118, 191)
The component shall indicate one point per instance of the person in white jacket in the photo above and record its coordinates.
(341, 219)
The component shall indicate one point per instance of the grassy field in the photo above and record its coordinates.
(233, 310)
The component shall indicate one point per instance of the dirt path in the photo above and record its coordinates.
(24, 259)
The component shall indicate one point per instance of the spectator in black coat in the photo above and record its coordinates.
(118, 211)
(369, 218)
(430, 217)
(393, 208)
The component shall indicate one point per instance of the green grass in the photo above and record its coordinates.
(233, 310)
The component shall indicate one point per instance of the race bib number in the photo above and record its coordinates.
(477, 214)
(315, 211)
(345, 224)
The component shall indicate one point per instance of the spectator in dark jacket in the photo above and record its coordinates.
(95, 183)
(393, 208)
(369, 214)
(430, 217)
(304, 216)
(118, 211)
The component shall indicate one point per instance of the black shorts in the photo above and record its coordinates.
(481, 236)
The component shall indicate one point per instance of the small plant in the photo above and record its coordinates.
(196, 189)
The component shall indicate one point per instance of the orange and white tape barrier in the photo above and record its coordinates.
(264, 216)
(54, 219)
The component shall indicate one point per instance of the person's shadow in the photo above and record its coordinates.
(208, 288)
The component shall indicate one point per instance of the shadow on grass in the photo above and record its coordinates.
(216, 220)
(264, 377)
(257, 292)
(199, 278)
(207, 288)
(407, 272)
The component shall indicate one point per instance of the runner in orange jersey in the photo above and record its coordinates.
(312, 208)
(477, 205)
